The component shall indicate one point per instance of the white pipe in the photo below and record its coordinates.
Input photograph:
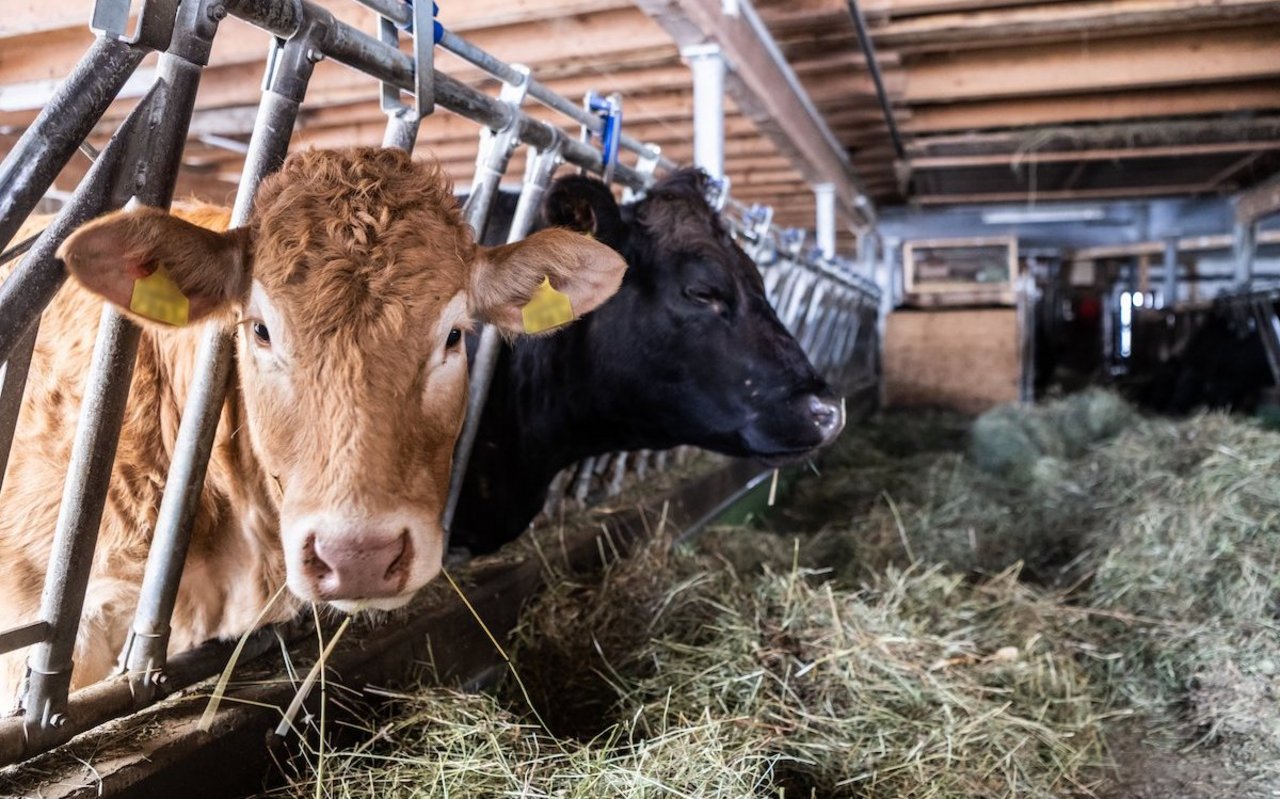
(824, 195)
(707, 63)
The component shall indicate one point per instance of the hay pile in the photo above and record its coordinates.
(883, 640)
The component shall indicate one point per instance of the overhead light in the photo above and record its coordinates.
(1031, 216)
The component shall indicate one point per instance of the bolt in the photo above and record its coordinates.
(314, 55)
(57, 721)
(217, 13)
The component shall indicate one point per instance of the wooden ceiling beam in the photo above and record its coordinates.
(765, 88)
(1093, 18)
(1258, 202)
(1185, 59)
(1107, 154)
(906, 8)
(1094, 107)
(1109, 193)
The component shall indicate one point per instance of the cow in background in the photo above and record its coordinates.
(350, 289)
(689, 351)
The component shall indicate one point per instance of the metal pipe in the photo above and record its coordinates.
(364, 53)
(146, 650)
(30, 287)
(824, 197)
(13, 381)
(51, 140)
(538, 91)
(1170, 287)
(707, 63)
(873, 68)
(1244, 245)
(76, 535)
(539, 169)
(152, 160)
(23, 636)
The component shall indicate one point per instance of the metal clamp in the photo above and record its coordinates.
(609, 109)
(424, 72)
(646, 165)
(717, 192)
(156, 20)
(496, 146)
(792, 242)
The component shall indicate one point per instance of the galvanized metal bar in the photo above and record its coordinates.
(494, 66)
(33, 283)
(539, 169)
(13, 381)
(365, 53)
(76, 535)
(288, 73)
(23, 636)
(48, 144)
(582, 480)
(1244, 248)
(152, 161)
(1169, 285)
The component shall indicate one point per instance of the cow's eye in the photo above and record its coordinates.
(455, 335)
(701, 294)
(260, 334)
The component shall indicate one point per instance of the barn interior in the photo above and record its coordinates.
(1008, 206)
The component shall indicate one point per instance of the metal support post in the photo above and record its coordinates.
(707, 63)
(403, 119)
(824, 196)
(496, 148)
(1244, 247)
(13, 381)
(153, 153)
(288, 71)
(1169, 286)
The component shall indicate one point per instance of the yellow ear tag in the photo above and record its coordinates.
(157, 297)
(547, 310)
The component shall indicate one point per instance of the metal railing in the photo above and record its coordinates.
(831, 311)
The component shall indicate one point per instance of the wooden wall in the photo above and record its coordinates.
(966, 360)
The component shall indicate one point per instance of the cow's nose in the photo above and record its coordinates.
(828, 417)
(358, 565)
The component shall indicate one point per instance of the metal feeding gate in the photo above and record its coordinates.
(832, 313)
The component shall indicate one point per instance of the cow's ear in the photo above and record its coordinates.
(543, 281)
(157, 267)
(586, 205)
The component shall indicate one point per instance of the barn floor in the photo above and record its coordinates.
(1071, 601)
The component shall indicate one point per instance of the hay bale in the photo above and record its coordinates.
(1008, 440)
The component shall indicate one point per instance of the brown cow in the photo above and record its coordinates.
(350, 289)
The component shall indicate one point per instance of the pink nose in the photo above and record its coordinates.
(363, 565)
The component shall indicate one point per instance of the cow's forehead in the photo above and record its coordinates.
(360, 238)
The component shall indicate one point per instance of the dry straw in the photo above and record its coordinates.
(933, 623)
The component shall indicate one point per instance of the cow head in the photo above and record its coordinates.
(693, 351)
(350, 289)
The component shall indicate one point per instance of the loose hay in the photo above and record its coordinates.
(893, 647)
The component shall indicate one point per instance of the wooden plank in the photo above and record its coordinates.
(905, 8)
(766, 90)
(967, 360)
(1111, 193)
(1108, 154)
(1067, 20)
(1186, 244)
(1184, 59)
(1093, 107)
(1258, 202)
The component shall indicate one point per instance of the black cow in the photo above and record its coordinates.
(689, 351)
